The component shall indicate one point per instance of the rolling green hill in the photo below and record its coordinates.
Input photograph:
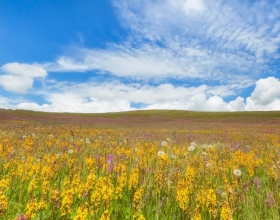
(164, 118)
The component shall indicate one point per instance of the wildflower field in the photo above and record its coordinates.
(142, 165)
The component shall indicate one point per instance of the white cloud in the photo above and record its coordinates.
(5, 103)
(253, 106)
(19, 84)
(266, 95)
(237, 104)
(194, 5)
(116, 96)
(266, 91)
(80, 107)
(219, 44)
(24, 69)
(19, 77)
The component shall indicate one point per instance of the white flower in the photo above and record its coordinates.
(191, 148)
(168, 139)
(237, 172)
(193, 144)
(58, 155)
(163, 144)
(70, 152)
(207, 146)
(208, 165)
(160, 153)
(136, 149)
(173, 156)
(204, 153)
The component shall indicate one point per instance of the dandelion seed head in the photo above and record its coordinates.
(70, 152)
(237, 172)
(193, 144)
(164, 143)
(161, 153)
(191, 148)
(208, 165)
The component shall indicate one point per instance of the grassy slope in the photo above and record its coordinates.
(156, 113)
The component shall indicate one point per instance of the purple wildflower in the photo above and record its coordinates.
(22, 217)
(257, 183)
(270, 200)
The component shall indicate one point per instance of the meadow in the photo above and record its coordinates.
(139, 165)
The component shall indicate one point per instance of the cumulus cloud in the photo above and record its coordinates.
(79, 107)
(266, 91)
(19, 77)
(24, 69)
(237, 104)
(266, 95)
(13, 83)
(94, 97)
(117, 96)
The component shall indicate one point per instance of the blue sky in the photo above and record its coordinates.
(119, 55)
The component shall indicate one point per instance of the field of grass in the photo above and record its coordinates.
(139, 165)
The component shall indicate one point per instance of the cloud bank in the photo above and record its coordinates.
(116, 96)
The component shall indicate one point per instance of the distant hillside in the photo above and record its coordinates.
(177, 118)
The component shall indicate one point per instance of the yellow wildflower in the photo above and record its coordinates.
(3, 203)
(105, 215)
(82, 212)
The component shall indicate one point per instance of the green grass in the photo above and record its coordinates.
(158, 113)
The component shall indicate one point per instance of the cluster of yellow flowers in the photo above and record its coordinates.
(73, 173)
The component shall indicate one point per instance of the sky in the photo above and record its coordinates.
(120, 55)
